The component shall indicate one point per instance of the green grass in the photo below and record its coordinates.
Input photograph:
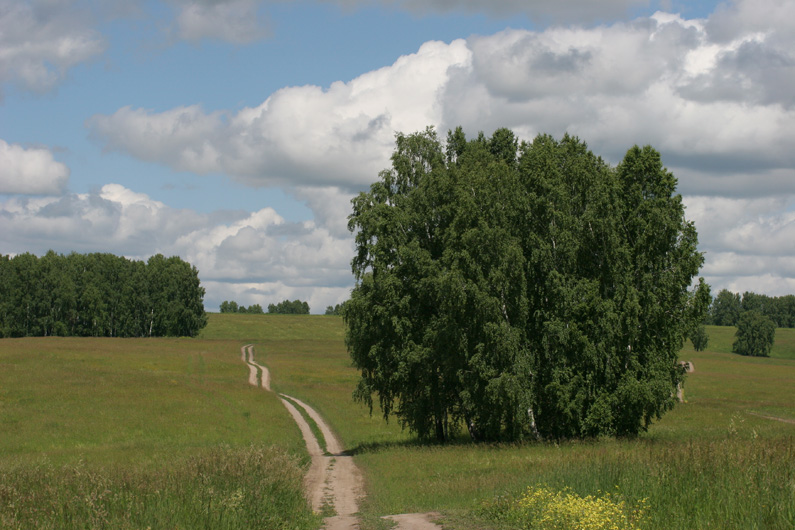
(219, 488)
(709, 463)
(721, 339)
(136, 417)
(316, 432)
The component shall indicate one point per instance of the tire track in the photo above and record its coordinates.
(333, 480)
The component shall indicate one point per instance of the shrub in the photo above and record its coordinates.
(700, 339)
(755, 335)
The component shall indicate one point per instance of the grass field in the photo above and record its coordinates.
(135, 417)
(129, 433)
(708, 463)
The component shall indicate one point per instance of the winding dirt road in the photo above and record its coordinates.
(333, 481)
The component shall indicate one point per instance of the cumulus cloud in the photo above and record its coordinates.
(31, 171)
(41, 40)
(712, 95)
(234, 21)
(749, 243)
(299, 136)
(250, 257)
(661, 80)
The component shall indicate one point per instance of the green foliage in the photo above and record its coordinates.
(99, 295)
(728, 307)
(296, 307)
(223, 488)
(334, 310)
(232, 307)
(755, 335)
(521, 290)
(725, 310)
(700, 338)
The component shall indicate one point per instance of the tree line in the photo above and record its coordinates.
(521, 289)
(728, 307)
(286, 307)
(99, 295)
(232, 307)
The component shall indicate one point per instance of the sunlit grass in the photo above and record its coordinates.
(707, 463)
(219, 488)
(137, 433)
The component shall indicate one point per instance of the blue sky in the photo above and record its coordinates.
(234, 132)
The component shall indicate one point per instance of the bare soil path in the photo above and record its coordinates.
(333, 480)
(774, 418)
(414, 521)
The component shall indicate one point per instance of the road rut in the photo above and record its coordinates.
(333, 480)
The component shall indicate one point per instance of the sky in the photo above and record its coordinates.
(233, 133)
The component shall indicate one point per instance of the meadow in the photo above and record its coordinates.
(128, 433)
(711, 462)
(137, 433)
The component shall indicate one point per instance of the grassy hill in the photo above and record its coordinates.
(137, 433)
(98, 429)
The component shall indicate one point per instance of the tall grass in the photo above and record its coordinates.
(137, 433)
(124, 421)
(734, 483)
(222, 488)
(706, 464)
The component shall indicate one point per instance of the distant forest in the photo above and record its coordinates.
(99, 295)
(286, 307)
(728, 306)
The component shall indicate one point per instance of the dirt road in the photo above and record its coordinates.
(333, 481)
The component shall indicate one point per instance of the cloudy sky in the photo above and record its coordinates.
(233, 133)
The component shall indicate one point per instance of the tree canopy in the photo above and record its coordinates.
(334, 310)
(728, 307)
(521, 289)
(286, 307)
(755, 334)
(99, 295)
(233, 307)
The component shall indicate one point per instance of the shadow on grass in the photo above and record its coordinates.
(461, 440)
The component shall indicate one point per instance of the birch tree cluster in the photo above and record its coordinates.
(521, 290)
(99, 295)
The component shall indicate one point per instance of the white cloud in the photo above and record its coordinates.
(41, 40)
(234, 21)
(658, 80)
(712, 95)
(749, 244)
(31, 171)
(300, 136)
(252, 258)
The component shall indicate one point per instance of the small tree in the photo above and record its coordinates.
(700, 338)
(334, 310)
(755, 334)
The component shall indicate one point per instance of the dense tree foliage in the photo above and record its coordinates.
(725, 309)
(700, 338)
(99, 295)
(232, 307)
(334, 310)
(521, 290)
(728, 307)
(755, 334)
(296, 307)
